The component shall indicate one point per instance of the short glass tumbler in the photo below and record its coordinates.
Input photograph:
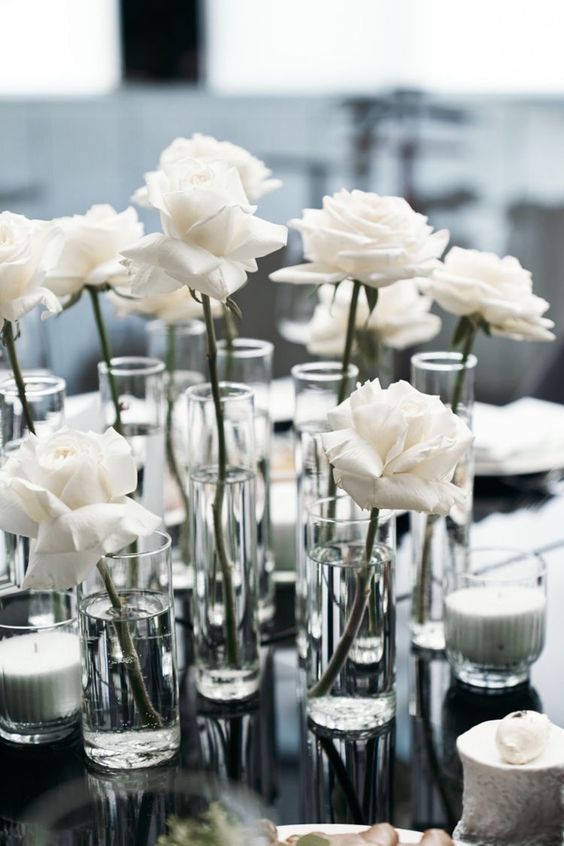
(495, 617)
(39, 667)
(45, 396)
(139, 385)
(223, 541)
(350, 619)
(129, 678)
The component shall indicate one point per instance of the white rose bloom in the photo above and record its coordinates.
(67, 492)
(92, 247)
(401, 318)
(211, 236)
(177, 307)
(374, 240)
(396, 448)
(255, 176)
(498, 290)
(27, 248)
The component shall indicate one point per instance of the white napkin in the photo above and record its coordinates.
(526, 428)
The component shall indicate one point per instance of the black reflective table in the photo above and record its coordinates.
(275, 762)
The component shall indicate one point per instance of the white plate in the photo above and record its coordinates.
(521, 465)
(285, 831)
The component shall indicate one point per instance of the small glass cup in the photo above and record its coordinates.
(350, 613)
(495, 617)
(45, 395)
(40, 675)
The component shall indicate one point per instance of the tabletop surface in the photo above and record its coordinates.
(408, 772)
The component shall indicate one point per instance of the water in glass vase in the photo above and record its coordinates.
(117, 733)
(361, 695)
(147, 443)
(225, 619)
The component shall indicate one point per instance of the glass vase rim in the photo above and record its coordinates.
(166, 544)
(443, 361)
(132, 365)
(202, 392)
(190, 326)
(314, 371)
(489, 573)
(38, 627)
(384, 516)
(42, 386)
(248, 347)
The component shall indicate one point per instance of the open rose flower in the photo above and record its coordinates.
(401, 318)
(396, 449)
(68, 493)
(497, 291)
(27, 248)
(176, 307)
(92, 246)
(358, 235)
(211, 236)
(254, 174)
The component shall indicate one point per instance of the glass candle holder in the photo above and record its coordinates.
(182, 347)
(39, 667)
(495, 617)
(223, 542)
(130, 716)
(45, 396)
(350, 618)
(249, 362)
(139, 383)
(316, 390)
(440, 544)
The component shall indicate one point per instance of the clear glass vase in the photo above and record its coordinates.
(39, 667)
(249, 362)
(440, 544)
(45, 396)
(182, 348)
(316, 391)
(350, 618)
(224, 541)
(139, 387)
(130, 716)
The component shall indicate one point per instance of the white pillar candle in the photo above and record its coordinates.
(495, 626)
(40, 677)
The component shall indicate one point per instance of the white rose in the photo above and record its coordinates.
(254, 174)
(396, 448)
(67, 492)
(211, 236)
(401, 318)
(177, 307)
(27, 248)
(358, 235)
(497, 290)
(92, 246)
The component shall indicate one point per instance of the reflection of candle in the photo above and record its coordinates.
(40, 677)
(495, 626)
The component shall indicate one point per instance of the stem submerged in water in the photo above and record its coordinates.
(10, 344)
(363, 590)
(232, 646)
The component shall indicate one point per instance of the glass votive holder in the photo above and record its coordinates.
(40, 674)
(45, 396)
(495, 617)
(350, 618)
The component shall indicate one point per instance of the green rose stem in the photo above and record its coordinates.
(217, 507)
(106, 352)
(466, 329)
(10, 344)
(170, 362)
(144, 705)
(363, 589)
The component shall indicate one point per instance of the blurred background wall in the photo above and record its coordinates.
(459, 107)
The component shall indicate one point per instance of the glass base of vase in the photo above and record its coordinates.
(31, 734)
(487, 679)
(227, 685)
(352, 715)
(428, 636)
(131, 750)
